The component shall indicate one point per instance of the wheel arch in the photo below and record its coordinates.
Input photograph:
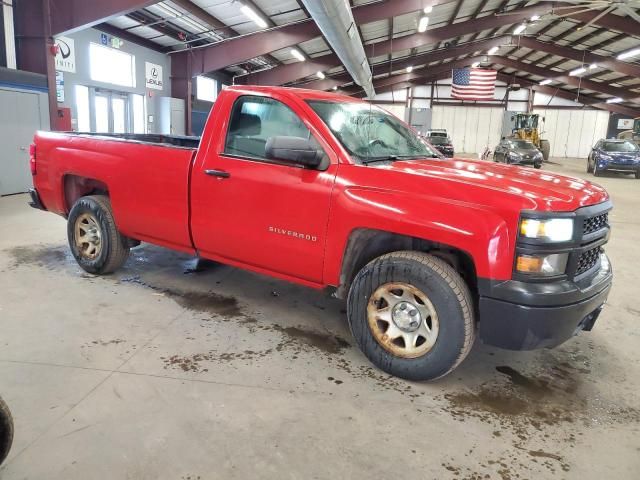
(77, 186)
(365, 244)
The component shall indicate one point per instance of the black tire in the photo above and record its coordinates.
(596, 172)
(449, 296)
(545, 148)
(6, 431)
(537, 165)
(114, 247)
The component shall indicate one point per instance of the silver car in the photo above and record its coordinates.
(518, 152)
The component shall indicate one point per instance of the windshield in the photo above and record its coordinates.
(439, 140)
(527, 121)
(521, 144)
(619, 147)
(369, 133)
(437, 134)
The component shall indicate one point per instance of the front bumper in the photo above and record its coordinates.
(524, 316)
(620, 167)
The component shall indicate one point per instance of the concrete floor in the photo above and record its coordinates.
(162, 372)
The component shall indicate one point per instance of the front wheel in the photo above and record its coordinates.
(412, 315)
(6, 431)
(95, 241)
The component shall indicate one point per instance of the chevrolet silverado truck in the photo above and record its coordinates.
(335, 193)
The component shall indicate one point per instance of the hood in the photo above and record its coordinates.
(526, 151)
(621, 155)
(532, 189)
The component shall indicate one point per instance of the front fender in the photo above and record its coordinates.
(480, 232)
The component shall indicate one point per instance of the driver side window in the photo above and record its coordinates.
(254, 120)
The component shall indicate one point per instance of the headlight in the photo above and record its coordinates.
(547, 265)
(550, 229)
(514, 155)
(606, 158)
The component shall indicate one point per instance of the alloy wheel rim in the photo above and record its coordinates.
(88, 236)
(403, 320)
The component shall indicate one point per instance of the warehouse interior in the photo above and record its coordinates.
(181, 367)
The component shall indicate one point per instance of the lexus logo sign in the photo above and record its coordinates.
(153, 76)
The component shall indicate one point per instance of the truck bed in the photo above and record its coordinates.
(172, 140)
(146, 176)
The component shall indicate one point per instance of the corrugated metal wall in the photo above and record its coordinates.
(470, 128)
(572, 133)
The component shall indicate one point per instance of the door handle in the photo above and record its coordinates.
(218, 173)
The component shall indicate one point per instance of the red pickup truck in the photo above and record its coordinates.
(332, 192)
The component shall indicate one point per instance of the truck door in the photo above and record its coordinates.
(262, 213)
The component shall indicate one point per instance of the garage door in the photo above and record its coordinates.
(470, 128)
(19, 118)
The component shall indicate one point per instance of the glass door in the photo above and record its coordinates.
(119, 113)
(111, 112)
(101, 111)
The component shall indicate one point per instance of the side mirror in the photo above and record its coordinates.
(295, 150)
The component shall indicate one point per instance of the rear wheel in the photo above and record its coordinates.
(545, 148)
(95, 241)
(6, 430)
(412, 315)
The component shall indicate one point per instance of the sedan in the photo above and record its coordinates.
(442, 144)
(518, 152)
(614, 155)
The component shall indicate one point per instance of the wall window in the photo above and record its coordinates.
(254, 120)
(82, 108)
(109, 65)
(137, 103)
(206, 89)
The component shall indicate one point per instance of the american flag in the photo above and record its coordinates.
(473, 83)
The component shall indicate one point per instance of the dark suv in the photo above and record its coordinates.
(615, 155)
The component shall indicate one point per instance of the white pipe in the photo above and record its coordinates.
(9, 35)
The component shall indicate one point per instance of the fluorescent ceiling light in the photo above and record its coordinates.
(475, 64)
(535, 18)
(593, 66)
(546, 82)
(409, 69)
(428, 9)
(493, 50)
(628, 54)
(519, 29)
(615, 100)
(423, 24)
(335, 87)
(577, 71)
(320, 75)
(251, 13)
(296, 53)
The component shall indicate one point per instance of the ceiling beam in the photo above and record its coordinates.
(576, 82)
(427, 75)
(581, 56)
(294, 71)
(130, 37)
(245, 47)
(68, 16)
(204, 16)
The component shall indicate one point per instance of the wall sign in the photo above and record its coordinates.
(60, 87)
(108, 41)
(153, 75)
(625, 124)
(66, 56)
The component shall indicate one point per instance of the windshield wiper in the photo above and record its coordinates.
(394, 158)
